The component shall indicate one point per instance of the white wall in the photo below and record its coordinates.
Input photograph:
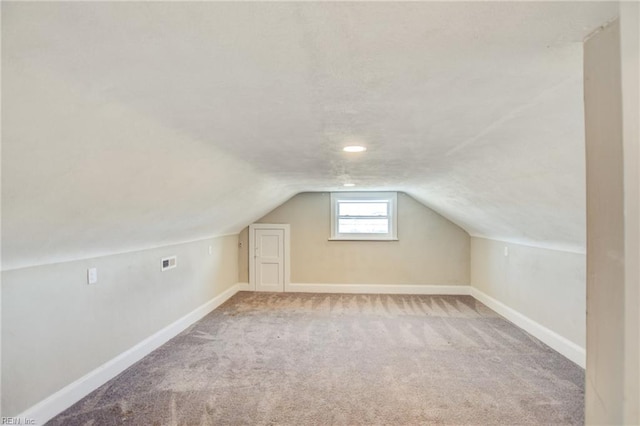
(57, 328)
(547, 286)
(430, 249)
(605, 228)
(629, 50)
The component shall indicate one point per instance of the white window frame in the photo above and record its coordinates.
(389, 197)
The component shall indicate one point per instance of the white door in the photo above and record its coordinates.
(269, 264)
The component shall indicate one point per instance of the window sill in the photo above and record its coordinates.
(362, 239)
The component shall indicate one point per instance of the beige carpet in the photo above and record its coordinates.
(317, 359)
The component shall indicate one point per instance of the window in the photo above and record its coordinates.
(363, 216)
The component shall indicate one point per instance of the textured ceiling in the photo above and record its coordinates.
(131, 125)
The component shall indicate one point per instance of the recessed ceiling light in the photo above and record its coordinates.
(349, 184)
(354, 148)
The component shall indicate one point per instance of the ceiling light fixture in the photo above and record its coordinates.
(354, 148)
(349, 184)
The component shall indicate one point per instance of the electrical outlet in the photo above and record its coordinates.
(92, 276)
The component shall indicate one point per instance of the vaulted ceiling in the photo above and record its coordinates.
(132, 125)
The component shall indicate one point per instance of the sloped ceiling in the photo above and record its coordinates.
(131, 125)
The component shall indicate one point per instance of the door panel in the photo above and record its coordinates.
(269, 274)
(269, 259)
(269, 244)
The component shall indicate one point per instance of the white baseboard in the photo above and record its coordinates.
(48, 408)
(72, 393)
(379, 289)
(244, 287)
(561, 344)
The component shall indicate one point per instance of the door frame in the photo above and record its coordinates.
(252, 251)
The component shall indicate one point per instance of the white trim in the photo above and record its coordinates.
(464, 290)
(53, 405)
(244, 287)
(287, 252)
(390, 197)
(372, 238)
(561, 344)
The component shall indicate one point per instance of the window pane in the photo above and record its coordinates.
(363, 209)
(363, 226)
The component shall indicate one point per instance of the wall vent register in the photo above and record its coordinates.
(364, 216)
(169, 263)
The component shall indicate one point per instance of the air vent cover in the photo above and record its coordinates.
(169, 263)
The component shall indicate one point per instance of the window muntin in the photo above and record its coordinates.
(363, 208)
(363, 216)
(363, 226)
